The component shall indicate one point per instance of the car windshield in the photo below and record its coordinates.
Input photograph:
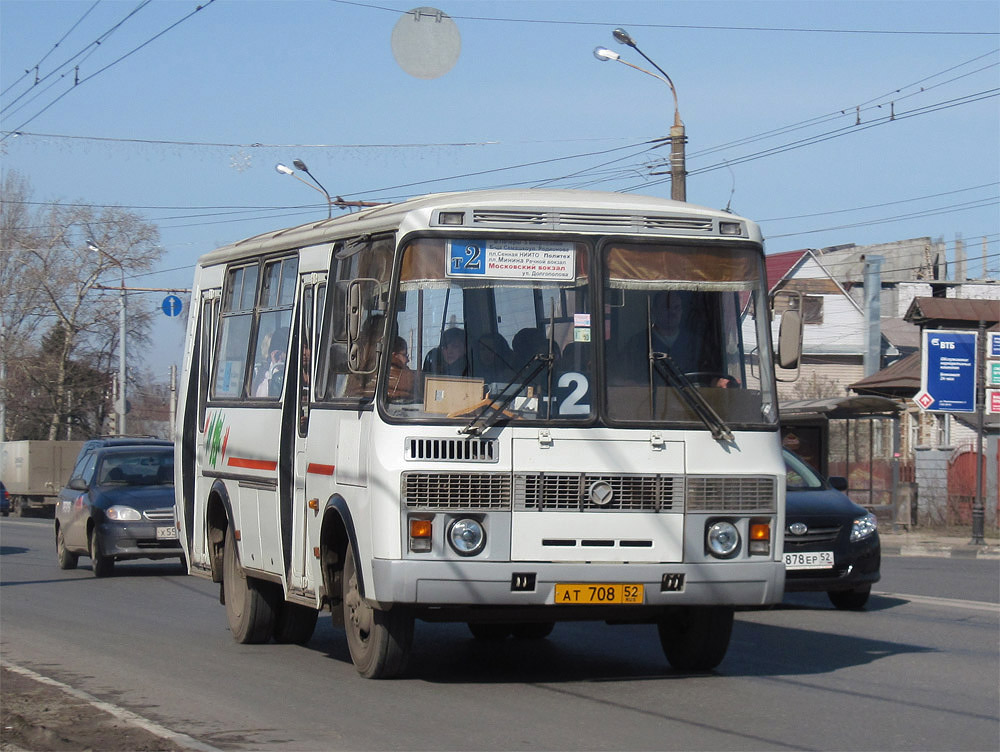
(799, 476)
(136, 469)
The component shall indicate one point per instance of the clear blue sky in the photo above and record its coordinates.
(186, 130)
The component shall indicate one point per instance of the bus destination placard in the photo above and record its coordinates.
(511, 259)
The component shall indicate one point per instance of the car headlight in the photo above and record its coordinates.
(723, 539)
(466, 536)
(122, 514)
(863, 527)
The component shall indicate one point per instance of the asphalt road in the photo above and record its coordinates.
(917, 670)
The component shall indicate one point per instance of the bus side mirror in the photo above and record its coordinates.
(790, 339)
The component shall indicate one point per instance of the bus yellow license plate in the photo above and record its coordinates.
(597, 594)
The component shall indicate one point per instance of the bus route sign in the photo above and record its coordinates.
(948, 371)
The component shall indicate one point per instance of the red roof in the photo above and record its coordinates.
(779, 264)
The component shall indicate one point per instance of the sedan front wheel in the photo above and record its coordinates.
(100, 564)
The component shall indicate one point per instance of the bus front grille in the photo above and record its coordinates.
(588, 492)
(456, 490)
(583, 492)
(714, 493)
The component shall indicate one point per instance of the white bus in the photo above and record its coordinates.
(507, 408)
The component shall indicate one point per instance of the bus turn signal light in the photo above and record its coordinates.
(760, 538)
(420, 535)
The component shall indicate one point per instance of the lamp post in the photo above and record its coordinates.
(678, 171)
(301, 166)
(122, 381)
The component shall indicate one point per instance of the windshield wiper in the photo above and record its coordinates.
(485, 418)
(661, 363)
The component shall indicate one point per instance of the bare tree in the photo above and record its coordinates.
(54, 282)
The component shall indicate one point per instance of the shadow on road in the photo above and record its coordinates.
(594, 651)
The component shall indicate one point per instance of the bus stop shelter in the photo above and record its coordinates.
(855, 437)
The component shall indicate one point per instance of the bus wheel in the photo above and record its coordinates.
(695, 638)
(532, 630)
(294, 623)
(489, 632)
(379, 641)
(250, 603)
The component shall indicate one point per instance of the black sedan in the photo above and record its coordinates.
(831, 543)
(119, 505)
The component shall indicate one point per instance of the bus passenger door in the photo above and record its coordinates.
(312, 475)
(196, 433)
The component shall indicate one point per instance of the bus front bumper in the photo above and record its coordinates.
(533, 584)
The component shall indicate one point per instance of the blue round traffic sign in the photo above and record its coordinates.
(172, 305)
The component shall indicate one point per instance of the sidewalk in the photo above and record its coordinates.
(931, 542)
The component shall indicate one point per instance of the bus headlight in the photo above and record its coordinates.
(466, 536)
(723, 539)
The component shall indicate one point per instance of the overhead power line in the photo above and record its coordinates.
(111, 65)
(698, 27)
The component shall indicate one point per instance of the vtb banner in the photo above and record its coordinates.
(948, 371)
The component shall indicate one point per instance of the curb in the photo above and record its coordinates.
(939, 549)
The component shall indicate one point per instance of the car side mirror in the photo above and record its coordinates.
(838, 482)
(79, 484)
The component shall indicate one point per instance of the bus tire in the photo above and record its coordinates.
(489, 632)
(379, 641)
(250, 603)
(66, 559)
(294, 624)
(695, 638)
(537, 630)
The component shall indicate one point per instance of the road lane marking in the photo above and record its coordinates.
(182, 740)
(950, 602)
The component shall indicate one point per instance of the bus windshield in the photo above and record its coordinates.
(489, 330)
(681, 334)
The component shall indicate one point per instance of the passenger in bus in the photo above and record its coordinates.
(401, 376)
(449, 358)
(273, 371)
(492, 359)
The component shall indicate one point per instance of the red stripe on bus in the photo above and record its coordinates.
(316, 469)
(253, 464)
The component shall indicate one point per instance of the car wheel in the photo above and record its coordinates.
(532, 630)
(850, 600)
(66, 559)
(695, 638)
(100, 564)
(295, 623)
(251, 604)
(379, 640)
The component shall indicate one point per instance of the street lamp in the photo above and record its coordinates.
(301, 166)
(122, 389)
(678, 173)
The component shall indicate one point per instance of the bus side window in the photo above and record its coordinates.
(370, 259)
(234, 332)
(207, 323)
